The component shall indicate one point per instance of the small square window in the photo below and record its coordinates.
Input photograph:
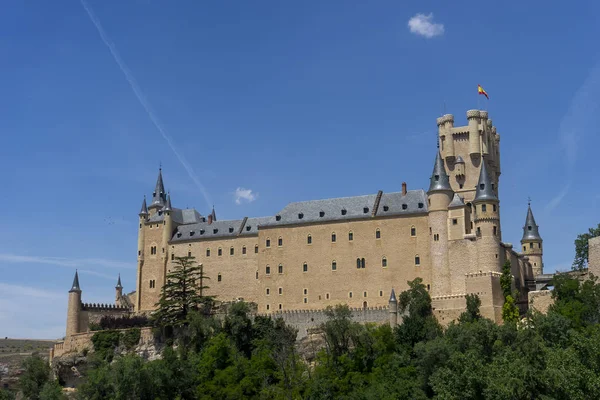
(454, 221)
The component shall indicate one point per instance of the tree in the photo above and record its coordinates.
(36, 374)
(472, 313)
(506, 279)
(183, 293)
(510, 312)
(582, 249)
(52, 391)
(420, 323)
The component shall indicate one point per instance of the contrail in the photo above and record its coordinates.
(143, 100)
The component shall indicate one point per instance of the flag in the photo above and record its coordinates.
(483, 92)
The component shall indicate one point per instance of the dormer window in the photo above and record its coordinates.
(278, 218)
(385, 208)
(321, 214)
(365, 210)
(202, 231)
(481, 186)
(436, 177)
(300, 215)
(215, 230)
(529, 228)
(178, 234)
(421, 205)
(404, 206)
(230, 229)
(248, 228)
(344, 211)
(192, 233)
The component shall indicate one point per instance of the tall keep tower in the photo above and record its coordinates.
(532, 243)
(74, 307)
(487, 222)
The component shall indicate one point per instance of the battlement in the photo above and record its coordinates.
(102, 307)
(445, 118)
(480, 274)
(449, 296)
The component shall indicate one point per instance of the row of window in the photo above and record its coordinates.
(531, 246)
(413, 232)
(360, 264)
(327, 296)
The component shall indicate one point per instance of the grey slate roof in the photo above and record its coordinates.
(168, 206)
(414, 201)
(144, 210)
(457, 201)
(393, 297)
(252, 224)
(159, 195)
(119, 286)
(459, 159)
(186, 216)
(75, 286)
(344, 208)
(204, 230)
(484, 190)
(439, 181)
(530, 230)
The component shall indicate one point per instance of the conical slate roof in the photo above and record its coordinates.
(75, 286)
(484, 190)
(457, 201)
(119, 286)
(159, 196)
(168, 206)
(530, 230)
(440, 181)
(213, 214)
(458, 160)
(393, 297)
(144, 210)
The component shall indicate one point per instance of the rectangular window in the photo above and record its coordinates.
(381, 293)
(305, 291)
(280, 242)
(333, 237)
(220, 252)
(267, 307)
(207, 252)
(280, 269)
(413, 231)
(268, 291)
(309, 239)
(305, 300)
(244, 250)
(364, 294)
(377, 234)
(494, 207)
(334, 266)
(350, 236)
(280, 306)
(280, 291)
(417, 260)
(531, 245)
(350, 294)
(189, 253)
(305, 267)
(327, 296)
(483, 208)
(268, 243)
(231, 251)
(219, 278)
(495, 231)
(268, 270)
(172, 256)
(139, 252)
(256, 249)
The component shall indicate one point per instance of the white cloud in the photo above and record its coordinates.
(423, 25)
(242, 194)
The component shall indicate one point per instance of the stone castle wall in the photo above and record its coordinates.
(594, 256)
(540, 300)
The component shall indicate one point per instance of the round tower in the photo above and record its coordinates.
(118, 291)
(74, 307)
(445, 125)
(531, 243)
(474, 140)
(486, 222)
(393, 306)
(439, 196)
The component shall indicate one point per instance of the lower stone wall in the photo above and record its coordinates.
(540, 300)
(305, 320)
(448, 308)
(594, 256)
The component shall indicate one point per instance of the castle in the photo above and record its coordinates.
(353, 250)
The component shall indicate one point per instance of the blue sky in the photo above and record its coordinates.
(287, 100)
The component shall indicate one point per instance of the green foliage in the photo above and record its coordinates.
(553, 356)
(105, 343)
(52, 391)
(510, 312)
(582, 249)
(506, 279)
(130, 338)
(35, 375)
(5, 394)
(182, 294)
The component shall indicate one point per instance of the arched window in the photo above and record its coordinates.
(384, 262)
(333, 265)
(280, 291)
(231, 251)
(256, 274)
(220, 252)
(377, 234)
(280, 241)
(207, 252)
(268, 270)
(413, 231)
(309, 239)
(350, 236)
(362, 263)
(280, 269)
(358, 263)
(268, 291)
(305, 267)
(243, 249)
(417, 260)
(333, 237)
(364, 304)
(268, 242)
(219, 278)
(256, 249)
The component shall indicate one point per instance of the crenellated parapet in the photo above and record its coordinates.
(103, 307)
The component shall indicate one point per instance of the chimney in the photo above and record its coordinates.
(403, 188)
(210, 219)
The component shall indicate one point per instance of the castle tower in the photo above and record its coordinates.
(532, 243)
(167, 231)
(118, 291)
(74, 307)
(486, 223)
(141, 244)
(445, 125)
(159, 196)
(393, 306)
(439, 196)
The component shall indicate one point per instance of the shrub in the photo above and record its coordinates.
(131, 338)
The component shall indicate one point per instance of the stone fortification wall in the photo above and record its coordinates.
(540, 300)
(305, 320)
(594, 256)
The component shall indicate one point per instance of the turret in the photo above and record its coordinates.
(483, 118)
(393, 307)
(159, 197)
(486, 222)
(459, 167)
(74, 307)
(439, 196)
(118, 290)
(167, 233)
(474, 139)
(531, 243)
(143, 218)
(445, 125)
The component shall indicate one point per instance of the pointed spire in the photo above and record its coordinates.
(213, 214)
(119, 286)
(393, 297)
(159, 196)
(75, 286)
(144, 210)
(457, 201)
(439, 178)
(168, 206)
(530, 230)
(485, 190)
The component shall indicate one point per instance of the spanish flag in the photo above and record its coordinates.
(483, 92)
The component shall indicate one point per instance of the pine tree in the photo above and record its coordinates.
(183, 293)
